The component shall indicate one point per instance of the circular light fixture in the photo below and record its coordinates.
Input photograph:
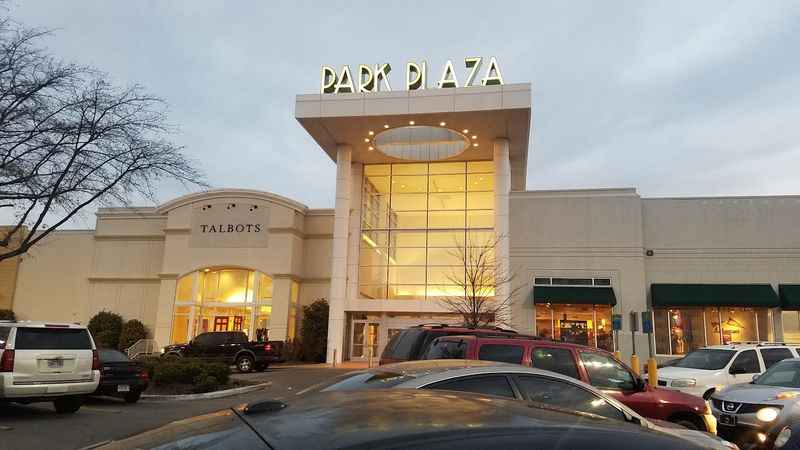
(371, 133)
(421, 142)
(441, 124)
(465, 130)
(474, 136)
(411, 122)
(474, 144)
(366, 139)
(371, 148)
(386, 125)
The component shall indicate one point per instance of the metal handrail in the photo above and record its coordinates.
(142, 347)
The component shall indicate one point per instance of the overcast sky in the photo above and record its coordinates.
(673, 98)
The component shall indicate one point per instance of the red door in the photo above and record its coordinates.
(221, 323)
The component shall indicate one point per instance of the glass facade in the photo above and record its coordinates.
(790, 321)
(414, 217)
(681, 330)
(222, 300)
(577, 324)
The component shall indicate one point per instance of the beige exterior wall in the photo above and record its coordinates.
(9, 268)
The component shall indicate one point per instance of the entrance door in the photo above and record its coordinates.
(221, 323)
(364, 341)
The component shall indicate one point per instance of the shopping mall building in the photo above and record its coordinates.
(418, 174)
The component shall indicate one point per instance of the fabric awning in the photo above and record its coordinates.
(581, 295)
(790, 296)
(762, 295)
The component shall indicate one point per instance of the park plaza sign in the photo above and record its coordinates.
(376, 78)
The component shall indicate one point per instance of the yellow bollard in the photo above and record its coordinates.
(635, 364)
(618, 355)
(652, 372)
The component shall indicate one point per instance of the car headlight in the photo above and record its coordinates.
(686, 382)
(767, 414)
(783, 437)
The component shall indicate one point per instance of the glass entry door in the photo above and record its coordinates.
(364, 340)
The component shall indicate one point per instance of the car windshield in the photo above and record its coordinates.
(109, 355)
(707, 359)
(783, 374)
(381, 379)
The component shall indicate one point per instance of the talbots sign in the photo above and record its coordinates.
(229, 225)
(376, 78)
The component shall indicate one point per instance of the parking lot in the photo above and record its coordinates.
(37, 426)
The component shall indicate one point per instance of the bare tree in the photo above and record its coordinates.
(69, 138)
(478, 279)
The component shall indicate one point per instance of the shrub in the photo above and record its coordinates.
(132, 331)
(7, 314)
(205, 383)
(105, 327)
(188, 371)
(291, 351)
(314, 331)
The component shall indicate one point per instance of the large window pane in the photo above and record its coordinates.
(544, 321)
(409, 184)
(210, 282)
(445, 290)
(480, 200)
(791, 326)
(410, 169)
(447, 167)
(446, 219)
(407, 239)
(372, 291)
(480, 166)
(765, 331)
(444, 257)
(661, 329)
(603, 330)
(180, 328)
(376, 185)
(407, 256)
(265, 288)
(409, 202)
(409, 219)
(373, 274)
(449, 200)
(713, 334)
(184, 289)
(407, 292)
(480, 219)
(446, 238)
(574, 324)
(480, 182)
(738, 324)
(372, 239)
(406, 275)
(377, 169)
(447, 183)
(686, 326)
(375, 212)
(445, 275)
(374, 256)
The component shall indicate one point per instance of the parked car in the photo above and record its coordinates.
(47, 362)
(703, 371)
(229, 347)
(119, 376)
(506, 380)
(754, 414)
(409, 344)
(590, 365)
(400, 419)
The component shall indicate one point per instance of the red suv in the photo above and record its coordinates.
(410, 344)
(590, 365)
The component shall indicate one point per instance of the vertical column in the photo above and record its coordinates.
(341, 225)
(354, 240)
(166, 301)
(502, 188)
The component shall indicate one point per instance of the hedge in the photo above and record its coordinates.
(105, 327)
(132, 332)
(7, 314)
(204, 376)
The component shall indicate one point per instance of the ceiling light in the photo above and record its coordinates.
(474, 136)
(411, 122)
(474, 144)
(441, 124)
(366, 139)
(465, 130)
(371, 133)
(371, 148)
(386, 125)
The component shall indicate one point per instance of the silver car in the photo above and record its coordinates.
(511, 381)
(754, 414)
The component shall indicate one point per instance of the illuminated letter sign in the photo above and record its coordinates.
(376, 78)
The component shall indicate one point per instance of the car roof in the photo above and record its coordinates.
(522, 337)
(749, 345)
(39, 324)
(358, 418)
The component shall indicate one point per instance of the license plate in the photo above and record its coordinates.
(123, 388)
(727, 420)
(55, 363)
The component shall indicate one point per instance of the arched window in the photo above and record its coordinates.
(222, 299)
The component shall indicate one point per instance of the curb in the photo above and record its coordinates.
(206, 395)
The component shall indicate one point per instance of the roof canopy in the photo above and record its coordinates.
(579, 295)
(664, 295)
(789, 296)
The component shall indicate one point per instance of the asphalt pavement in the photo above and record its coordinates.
(37, 426)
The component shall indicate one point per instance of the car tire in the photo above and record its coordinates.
(244, 364)
(67, 405)
(132, 396)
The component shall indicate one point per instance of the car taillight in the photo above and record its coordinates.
(268, 347)
(143, 375)
(7, 361)
(95, 360)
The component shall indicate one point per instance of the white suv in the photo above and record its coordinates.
(45, 362)
(703, 371)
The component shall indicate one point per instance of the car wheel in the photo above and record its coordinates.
(244, 364)
(133, 396)
(67, 405)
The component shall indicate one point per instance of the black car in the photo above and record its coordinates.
(229, 347)
(399, 419)
(119, 376)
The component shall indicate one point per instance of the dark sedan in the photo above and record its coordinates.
(399, 419)
(119, 376)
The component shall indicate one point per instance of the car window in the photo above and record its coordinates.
(4, 331)
(210, 339)
(774, 355)
(746, 362)
(783, 374)
(706, 359)
(501, 353)
(52, 339)
(489, 385)
(447, 349)
(557, 360)
(566, 395)
(237, 338)
(606, 373)
(109, 355)
(406, 341)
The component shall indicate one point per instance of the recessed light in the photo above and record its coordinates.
(386, 125)
(441, 124)
(411, 122)
(371, 133)
(465, 130)
(474, 136)
(474, 144)
(371, 148)
(366, 139)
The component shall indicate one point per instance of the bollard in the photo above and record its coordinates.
(652, 372)
(618, 355)
(334, 358)
(635, 364)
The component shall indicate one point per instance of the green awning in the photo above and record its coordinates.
(581, 295)
(664, 295)
(790, 296)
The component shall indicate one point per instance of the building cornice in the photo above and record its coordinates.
(129, 237)
(601, 192)
(123, 278)
(214, 194)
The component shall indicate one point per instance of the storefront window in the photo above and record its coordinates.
(224, 301)
(414, 218)
(791, 326)
(291, 327)
(578, 324)
(681, 330)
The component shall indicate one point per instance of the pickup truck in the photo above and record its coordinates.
(230, 347)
